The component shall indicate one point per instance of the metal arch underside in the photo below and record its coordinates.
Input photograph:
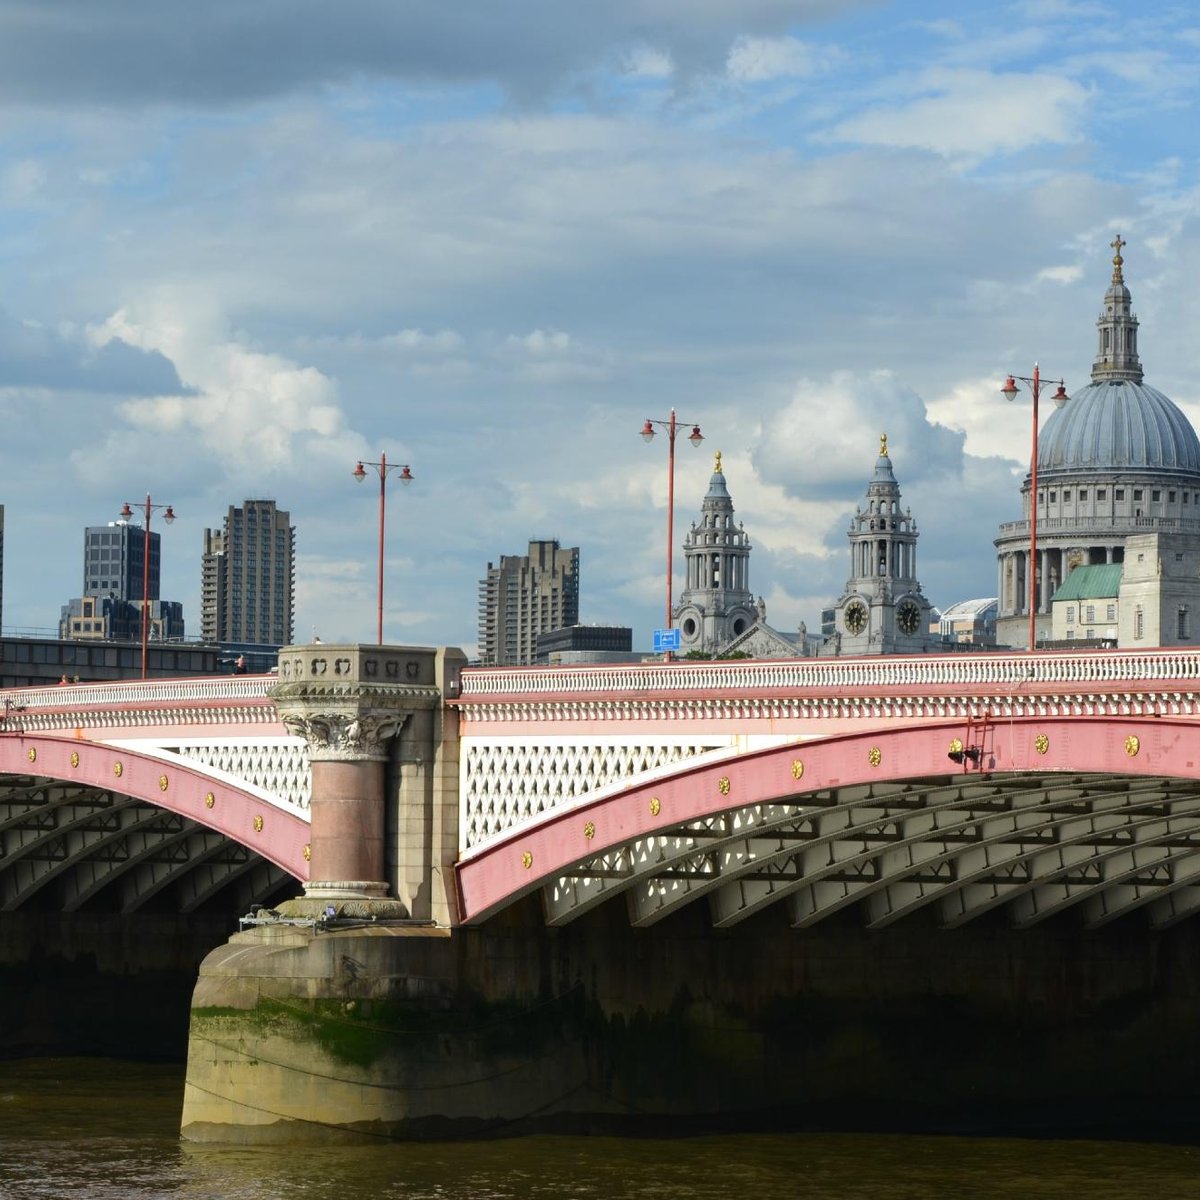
(100, 847)
(965, 844)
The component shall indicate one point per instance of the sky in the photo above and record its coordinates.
(243, 246)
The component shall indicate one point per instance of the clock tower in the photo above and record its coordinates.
(717, 604)
(882, 610)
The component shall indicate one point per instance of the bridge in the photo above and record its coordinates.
(958, 784)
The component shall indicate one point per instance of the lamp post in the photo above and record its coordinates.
(696, 437)
(168, 516)
(1009, 391)
(382, 468)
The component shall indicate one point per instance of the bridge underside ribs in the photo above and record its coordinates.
(71, 847)
(961, 845)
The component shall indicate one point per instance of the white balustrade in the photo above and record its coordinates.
(1150, 670)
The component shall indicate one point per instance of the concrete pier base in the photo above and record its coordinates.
(404, 1031)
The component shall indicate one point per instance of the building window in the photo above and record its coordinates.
(1070, 614)
(1139, 623)
(1119, 494)
(1183, 623)
(1066, 493)
(1083, 493)
(1102, 493)
(1170, 497)
(1053, 497)
(1070, 635)
(1179, 558)
(1137, 493)
(1110, 613)
(1091, 633)
(1091, 616)
(1156, 494)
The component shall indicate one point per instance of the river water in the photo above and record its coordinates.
(102, 1130)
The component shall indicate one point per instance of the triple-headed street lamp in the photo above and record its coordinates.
(695, 438)
(1009, 391)
(382, 468)
(168, 516)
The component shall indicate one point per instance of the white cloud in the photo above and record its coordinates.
(443, 341)
(22, 180)
(1072, 273)
(974, 114)
(759, 59)
(646, 62)
(542, 342)
(250, 409)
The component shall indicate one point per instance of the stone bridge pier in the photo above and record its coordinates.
(384, 755)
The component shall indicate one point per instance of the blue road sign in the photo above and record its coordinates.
(666, 639)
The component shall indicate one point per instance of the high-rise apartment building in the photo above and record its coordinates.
(525, 595)
(248, 577)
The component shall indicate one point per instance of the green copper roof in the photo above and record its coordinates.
(1091, 583)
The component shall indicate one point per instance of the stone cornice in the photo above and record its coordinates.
(348, 702)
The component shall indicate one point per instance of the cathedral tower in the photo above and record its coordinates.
(882, 610)
(716, 605)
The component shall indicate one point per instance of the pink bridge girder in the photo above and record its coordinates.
(532, 856)
(278, 836)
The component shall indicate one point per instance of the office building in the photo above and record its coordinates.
(116, 576)
(248, 577)
(526, 595)
(585, 643)
(114, 562)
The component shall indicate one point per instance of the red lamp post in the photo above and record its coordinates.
(382, 468)
(1009, 391)
(696, 437)
(169, 517)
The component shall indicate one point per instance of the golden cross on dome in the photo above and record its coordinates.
(717, 463)
(883, 445)
(1116, 244)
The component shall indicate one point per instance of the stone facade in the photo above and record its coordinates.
(1159, 604)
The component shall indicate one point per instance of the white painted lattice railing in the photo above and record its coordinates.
(200, 690)
(956, 671)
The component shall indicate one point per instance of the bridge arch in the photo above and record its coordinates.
(43, 844)
(1041, 813)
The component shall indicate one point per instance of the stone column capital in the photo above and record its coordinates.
(349, 701)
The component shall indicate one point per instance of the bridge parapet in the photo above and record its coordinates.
(227, 699)
(958, 673)
(794, 693)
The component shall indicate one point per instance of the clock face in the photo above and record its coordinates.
(856, 616)
(908, 617)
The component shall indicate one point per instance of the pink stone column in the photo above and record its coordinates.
(347, 816)
(349, 704)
